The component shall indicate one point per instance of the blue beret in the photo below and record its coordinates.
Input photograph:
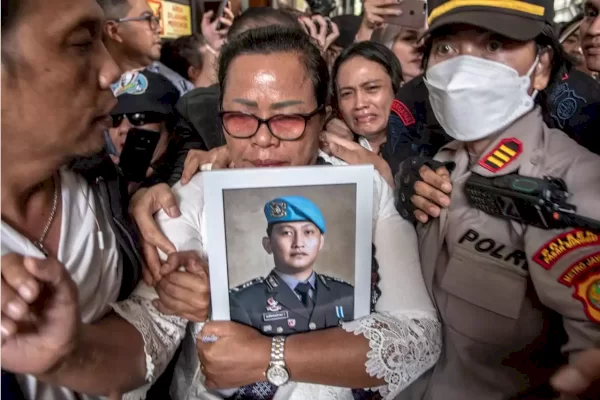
(292, 209)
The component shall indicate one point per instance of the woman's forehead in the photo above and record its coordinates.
(260, 74)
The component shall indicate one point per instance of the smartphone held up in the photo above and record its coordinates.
(414, 14)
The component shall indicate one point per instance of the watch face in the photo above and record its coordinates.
(277, 375)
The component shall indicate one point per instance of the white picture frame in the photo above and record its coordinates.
(216, 183)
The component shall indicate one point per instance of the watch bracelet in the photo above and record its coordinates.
(277, 350)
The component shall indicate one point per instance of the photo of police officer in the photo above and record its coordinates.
(293, 297)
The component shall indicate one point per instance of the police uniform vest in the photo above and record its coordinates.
(507, 293)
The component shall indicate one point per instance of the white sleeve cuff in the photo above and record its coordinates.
(162, 334)
(403, 347)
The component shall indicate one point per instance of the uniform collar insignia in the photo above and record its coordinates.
(323, 280)
(272, 282)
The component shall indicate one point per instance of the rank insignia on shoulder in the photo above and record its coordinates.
(503, 154)
(326, 278)
(247, 284)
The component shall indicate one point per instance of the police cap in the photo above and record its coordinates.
(294, 209)
(520, 20)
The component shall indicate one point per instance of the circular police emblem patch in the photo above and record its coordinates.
(566, 108)
(593, 294)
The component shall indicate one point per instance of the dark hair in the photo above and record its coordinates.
(371, 51)
(278, 39)
(547, 39)
(182, 53)
(256, 17)
(563, 27)
(10, 12)
(561, 61)
(114, 9)
(269, 230)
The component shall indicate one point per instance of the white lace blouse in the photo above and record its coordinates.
(404, 333)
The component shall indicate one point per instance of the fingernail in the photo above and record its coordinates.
(208, 338)
(444, 201)
(446, 187)
(570, 380)
(434, 211)
(16, 310)
(26, 292)
(173, 212)
(5, 331)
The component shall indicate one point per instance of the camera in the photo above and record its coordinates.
(321, 7)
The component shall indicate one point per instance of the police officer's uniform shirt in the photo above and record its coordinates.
(273, 305)
(292, 282)
(504, 291)
(96, 272)
(404, 326)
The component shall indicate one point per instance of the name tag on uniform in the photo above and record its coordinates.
(274, 316)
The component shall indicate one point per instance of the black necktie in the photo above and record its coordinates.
(303, 289)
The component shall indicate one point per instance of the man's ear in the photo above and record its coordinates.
(266, 242)
(111, 31)
(543, 70)
(322, 242)
(193, 73)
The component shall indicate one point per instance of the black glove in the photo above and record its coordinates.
(408, 174)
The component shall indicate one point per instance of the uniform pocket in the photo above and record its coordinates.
(485, 297)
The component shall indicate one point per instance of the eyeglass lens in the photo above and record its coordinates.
(286, 127)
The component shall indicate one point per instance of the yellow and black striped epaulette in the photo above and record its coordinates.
(503, 154)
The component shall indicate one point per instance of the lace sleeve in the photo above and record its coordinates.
(402, 347)
(162, 334)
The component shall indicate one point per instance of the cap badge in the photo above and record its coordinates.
(278, 209)
(130, 83)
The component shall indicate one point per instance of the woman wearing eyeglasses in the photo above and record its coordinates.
(274, 86)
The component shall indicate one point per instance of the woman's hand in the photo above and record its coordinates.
(339, 128)
(354, 154)
(184, 293)
(374, 13)
(144, 204)
(239, 356)
(317, 27)
(215, 38)
(218, 157)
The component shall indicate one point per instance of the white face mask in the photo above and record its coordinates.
(473, 98)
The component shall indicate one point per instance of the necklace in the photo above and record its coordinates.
(40, 242)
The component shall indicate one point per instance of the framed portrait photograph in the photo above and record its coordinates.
(290, 248)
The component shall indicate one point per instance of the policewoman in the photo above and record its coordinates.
(513, 298)
(293, 297)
